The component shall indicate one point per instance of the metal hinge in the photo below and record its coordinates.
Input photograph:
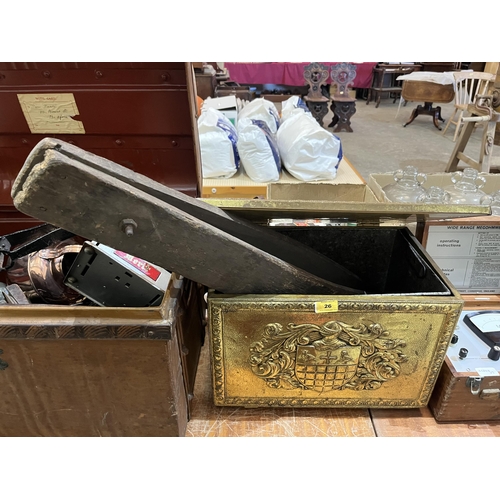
(474, 383)
(475, 388)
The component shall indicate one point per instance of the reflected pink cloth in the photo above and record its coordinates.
(288, 73)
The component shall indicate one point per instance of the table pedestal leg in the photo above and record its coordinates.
(427, 109)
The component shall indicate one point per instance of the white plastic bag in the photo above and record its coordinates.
(258, 151)
(261, 109)
(309, 152)
(218, 145)
(292, 106)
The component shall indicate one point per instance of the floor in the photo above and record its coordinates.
(208, 420)
(379, 143)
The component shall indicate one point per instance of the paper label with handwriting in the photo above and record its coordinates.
(51, 113)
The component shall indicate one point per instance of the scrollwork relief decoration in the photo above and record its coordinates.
(328, 357)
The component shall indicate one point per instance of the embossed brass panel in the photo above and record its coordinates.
(383, 349)
(370, 352)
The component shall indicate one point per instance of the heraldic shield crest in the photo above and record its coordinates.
(329, 357)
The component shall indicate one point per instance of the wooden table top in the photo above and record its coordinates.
(423, 91)
(208, 420)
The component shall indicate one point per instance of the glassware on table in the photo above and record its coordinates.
(434, 194)
(466, 187)
(407, 186)
(493, 200)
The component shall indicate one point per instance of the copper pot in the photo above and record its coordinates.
(41, 274)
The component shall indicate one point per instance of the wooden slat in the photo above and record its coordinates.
(208, 420)
(94, 205)
(421, 423)
(77, 189)
(469, 161)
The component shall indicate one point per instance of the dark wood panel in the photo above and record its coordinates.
(141, 115)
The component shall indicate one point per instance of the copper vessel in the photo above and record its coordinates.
(41, 274)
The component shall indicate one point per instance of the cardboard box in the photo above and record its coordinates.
(321, 191)
(347, 186)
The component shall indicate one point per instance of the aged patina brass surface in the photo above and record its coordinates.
(383, 349)
(289, 351)
(262, 210)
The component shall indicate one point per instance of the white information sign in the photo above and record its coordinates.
(487, 371)
(468, 255)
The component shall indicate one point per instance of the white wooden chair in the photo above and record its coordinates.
(480, 112)
(468, 84)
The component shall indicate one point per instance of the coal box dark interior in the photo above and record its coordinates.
(389, 260)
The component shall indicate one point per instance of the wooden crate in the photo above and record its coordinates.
(100, 371)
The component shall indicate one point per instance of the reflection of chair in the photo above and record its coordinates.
(467, 86)
(316, 75)
(343, 106)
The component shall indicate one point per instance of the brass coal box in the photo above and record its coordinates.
(381, 349)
